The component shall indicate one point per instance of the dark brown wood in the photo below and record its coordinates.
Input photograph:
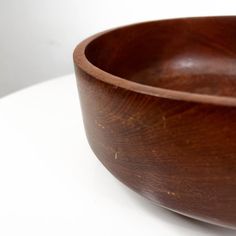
(159, 109)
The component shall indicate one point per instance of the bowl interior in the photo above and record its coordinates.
(196, 55)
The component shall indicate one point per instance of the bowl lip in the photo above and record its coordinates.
(82, 62)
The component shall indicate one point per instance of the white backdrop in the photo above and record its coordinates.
(38, 37)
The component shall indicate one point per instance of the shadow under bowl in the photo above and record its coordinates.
(159, 108)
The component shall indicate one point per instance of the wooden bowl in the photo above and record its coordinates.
(159, 109)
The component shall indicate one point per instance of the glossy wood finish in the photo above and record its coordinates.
(159, 109)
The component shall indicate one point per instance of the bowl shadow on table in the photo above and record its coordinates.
(176, 219)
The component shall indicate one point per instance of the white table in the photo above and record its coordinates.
(52, 184)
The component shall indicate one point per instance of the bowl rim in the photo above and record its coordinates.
(82, 62)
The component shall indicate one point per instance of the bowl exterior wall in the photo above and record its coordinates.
(181, 155)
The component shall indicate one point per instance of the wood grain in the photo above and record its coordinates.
(159, 109)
